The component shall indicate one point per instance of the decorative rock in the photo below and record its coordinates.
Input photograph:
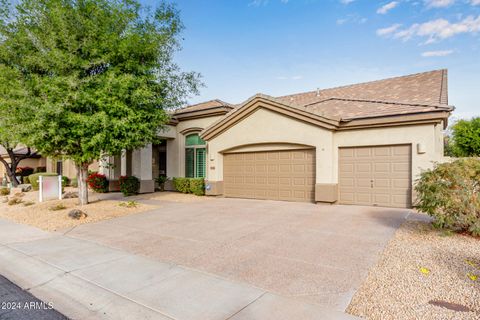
(25, 187)
(77, 214)
(70, 195)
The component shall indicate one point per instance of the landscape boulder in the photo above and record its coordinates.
(77, 214)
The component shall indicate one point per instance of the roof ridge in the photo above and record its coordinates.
(366, 82)
(197, 104)
(376, 101)
(444, 87)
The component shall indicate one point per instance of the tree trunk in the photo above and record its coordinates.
(82, 173)
(10, 169)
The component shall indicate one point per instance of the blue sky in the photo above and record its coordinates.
(279, 47)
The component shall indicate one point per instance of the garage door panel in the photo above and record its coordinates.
(278, 175)
(380, 175)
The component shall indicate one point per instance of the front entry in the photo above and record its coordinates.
(277, 175)
(375, 176)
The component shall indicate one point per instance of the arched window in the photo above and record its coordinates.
(195, 156)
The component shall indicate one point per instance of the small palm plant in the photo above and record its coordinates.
(161, 180)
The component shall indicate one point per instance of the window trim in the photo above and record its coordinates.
(195, 147)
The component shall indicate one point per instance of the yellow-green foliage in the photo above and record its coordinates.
(450, 193)
(190, 185)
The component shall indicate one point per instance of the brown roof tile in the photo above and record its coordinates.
(421, 92)
(204, 106)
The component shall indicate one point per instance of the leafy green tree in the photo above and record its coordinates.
(12, 97)
(465, 140)
(99, 74)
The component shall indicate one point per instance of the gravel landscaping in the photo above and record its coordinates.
(424, 273)
(53, 215)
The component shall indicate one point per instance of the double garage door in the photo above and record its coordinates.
(378, 176)
(373, 176)
(277, 175)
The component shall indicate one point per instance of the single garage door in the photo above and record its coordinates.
(276, 175)
(375, 176)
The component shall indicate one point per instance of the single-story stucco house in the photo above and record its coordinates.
(359, 144)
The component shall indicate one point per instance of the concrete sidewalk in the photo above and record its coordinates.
(86, 280)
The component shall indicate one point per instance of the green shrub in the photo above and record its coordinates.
(4, 191)
(181, 184)
(25, 180)
(450, 193)
(98, 182)
(190, 185)
(128, 204)
(129, 185)
(197, 186)
(33, 178)
(65, 181)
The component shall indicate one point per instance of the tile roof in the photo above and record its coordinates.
(212, 104)
(416, 93)
(421, 92)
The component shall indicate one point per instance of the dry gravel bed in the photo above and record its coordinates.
(422, 264)
(39, 214)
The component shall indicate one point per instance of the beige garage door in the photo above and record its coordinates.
(276, 175)
(378, 176)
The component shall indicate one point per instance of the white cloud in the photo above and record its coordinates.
(439, 53)
(346, 1)
(387, 7)
(439, 3)
(352, 18)
(475, 2)
(389, 30)
(434, 30)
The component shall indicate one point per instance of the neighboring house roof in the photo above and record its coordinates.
(204, 109)
(18, 151)
(409, 99)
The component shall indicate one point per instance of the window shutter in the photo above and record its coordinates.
(201, 155)
(189, 162)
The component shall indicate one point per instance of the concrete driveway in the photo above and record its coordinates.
(319, 254)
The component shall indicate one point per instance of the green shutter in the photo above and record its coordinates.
(189, 162)
(194, 140)
(201, 155)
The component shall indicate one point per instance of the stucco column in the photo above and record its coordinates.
(142, 168)
(123, 163)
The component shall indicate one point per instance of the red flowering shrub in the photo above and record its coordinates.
(24, 171)
(98, 182)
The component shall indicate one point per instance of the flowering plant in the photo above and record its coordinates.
(98, 182)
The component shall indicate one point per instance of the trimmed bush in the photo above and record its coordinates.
(98, 182)
(181, 184)
(450, 193)
(190, 185)
(33, 178)
(4, 191)
(197, 186)
(26, 180)
(129, 186)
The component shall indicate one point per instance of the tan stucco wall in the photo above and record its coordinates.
(265, 126)
(176, 147)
